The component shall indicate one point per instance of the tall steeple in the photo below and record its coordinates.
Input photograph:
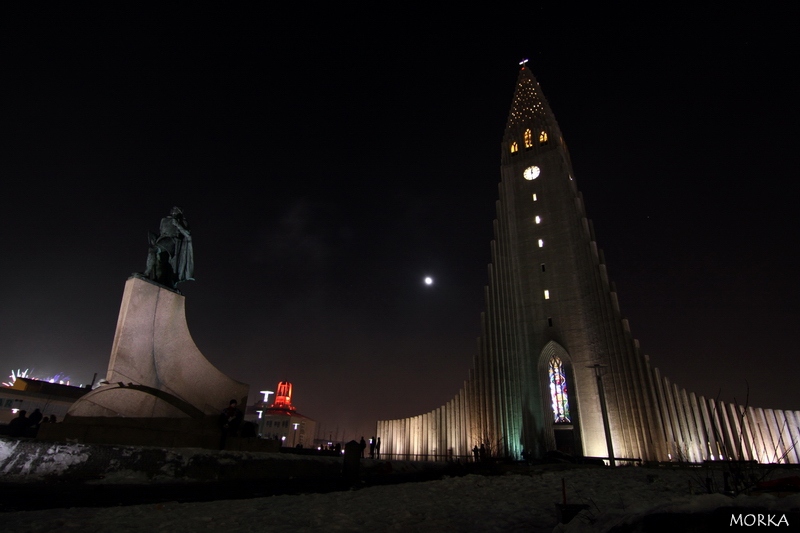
(529, 111)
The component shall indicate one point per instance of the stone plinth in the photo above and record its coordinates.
(156, 371)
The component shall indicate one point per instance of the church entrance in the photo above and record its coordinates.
(565, 439)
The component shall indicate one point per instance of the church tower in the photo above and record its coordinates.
(556, 366)
(571, 343)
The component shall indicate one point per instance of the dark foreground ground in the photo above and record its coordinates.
(64, 494)
(37, 475)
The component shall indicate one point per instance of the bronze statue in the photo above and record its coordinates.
(170, 259)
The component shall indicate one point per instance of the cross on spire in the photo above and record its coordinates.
(524, 60)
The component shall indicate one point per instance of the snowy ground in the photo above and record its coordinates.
(511, 502)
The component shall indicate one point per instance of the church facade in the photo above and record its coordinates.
(557, 367)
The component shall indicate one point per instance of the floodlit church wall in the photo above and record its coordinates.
(711, 435)
(658, 431)
(793, 435)
(686, 429)
(741, 444)
(591, 429)
(669, 391)
(667, 435)
(465, 430)
(649, 417)
(777, 443)
(626, 442)
(768, 432)
(756, 440)
(782, 434)
(748, 444)
(702, 441)
(787, 442)
(727, 427)
(766, 435)
(786, 435)
(699, 433)
(715, 428)
(678, 447)
(511, 352)
(680, 408)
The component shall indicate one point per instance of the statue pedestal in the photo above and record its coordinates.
(156, 373)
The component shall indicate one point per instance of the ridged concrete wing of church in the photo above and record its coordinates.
(556, 366)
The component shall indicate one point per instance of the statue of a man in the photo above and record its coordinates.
(171, 259)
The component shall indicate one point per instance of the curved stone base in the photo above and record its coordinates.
(156, 370)
(132, 401)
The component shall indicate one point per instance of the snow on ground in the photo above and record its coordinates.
(507, 503)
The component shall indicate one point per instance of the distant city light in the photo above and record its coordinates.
(428, 280)
(58, 378)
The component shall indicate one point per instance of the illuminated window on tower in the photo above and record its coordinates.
(514, 147)
(528, 139)
(558, 392)
(543, 137)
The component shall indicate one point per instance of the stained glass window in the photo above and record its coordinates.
(514, 147)
(528, 140)
(558, 391)
(543, 137)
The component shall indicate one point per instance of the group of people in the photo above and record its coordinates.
(480, 454)
(374, 447)
(27, 426)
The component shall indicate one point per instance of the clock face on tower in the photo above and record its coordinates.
(531, 173)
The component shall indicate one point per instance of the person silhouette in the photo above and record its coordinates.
(229, 420)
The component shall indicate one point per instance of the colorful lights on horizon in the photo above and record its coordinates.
(59, 378)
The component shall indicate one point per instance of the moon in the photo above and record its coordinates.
(428, 280)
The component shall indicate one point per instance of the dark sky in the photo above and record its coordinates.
(324, 177)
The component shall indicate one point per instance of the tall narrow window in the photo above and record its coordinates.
(528, 139)
(543, 137)
(514, 147)
(534, 197)
(541, 243)
(538, 219)
(546, 294)
(543, 270)
(558, 391)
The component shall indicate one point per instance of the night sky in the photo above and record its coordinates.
(323, 178)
